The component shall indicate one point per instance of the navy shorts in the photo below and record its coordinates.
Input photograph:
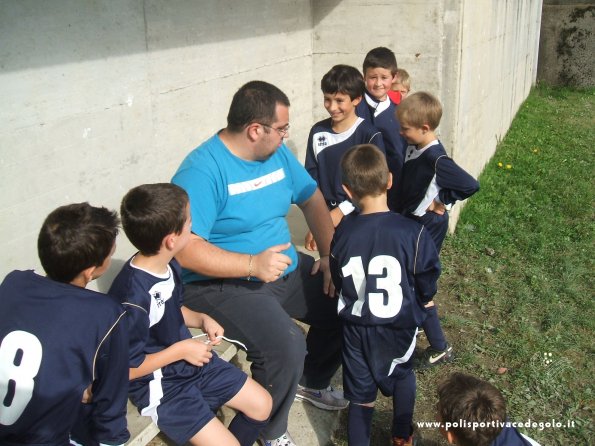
(186, 407)
(374, 357)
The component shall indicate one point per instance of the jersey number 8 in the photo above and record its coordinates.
(20, 359)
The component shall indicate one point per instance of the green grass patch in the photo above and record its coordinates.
(517, 283)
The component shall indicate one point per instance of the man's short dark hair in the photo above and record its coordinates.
(255, 101)
(76, 237)
(381, 57)
(365, 171)
(465, 397)
(343, 79)
(152, 211)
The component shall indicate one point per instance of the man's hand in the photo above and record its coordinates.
(271, 263)
(322, 266)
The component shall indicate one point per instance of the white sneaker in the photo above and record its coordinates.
(327, 399)
(283, 440)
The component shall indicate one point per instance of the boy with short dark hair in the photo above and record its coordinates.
(430, 181)
(175, 379)
(60, 343)
(342, 87)
(380, 69)
(385, 268)
(472, 412)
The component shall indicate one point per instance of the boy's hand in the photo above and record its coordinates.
(87, 395)
(310, 243)
(437, 208)
(195, 351)
(212, 328)
(322, 265)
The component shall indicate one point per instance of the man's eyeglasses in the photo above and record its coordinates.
(282, 131)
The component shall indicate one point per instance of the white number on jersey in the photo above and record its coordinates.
(390, 269)
(20, 359)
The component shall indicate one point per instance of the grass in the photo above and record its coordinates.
(516, 293)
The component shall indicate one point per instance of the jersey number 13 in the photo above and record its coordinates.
(388, 272)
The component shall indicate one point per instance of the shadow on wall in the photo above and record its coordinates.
(68, 31)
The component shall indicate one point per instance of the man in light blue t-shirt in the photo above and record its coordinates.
(240, 266)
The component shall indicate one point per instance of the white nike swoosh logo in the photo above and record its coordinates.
(433, 359)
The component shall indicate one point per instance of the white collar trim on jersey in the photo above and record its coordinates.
(165, 275)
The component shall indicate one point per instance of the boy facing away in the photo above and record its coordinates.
(380, 69)
(60, 343)
(175, 379)
(342, 87)
(478, 410)
(385, 268)
(430, 181)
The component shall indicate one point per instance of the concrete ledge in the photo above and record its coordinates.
(142, 429)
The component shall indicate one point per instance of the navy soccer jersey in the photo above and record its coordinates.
(385, 268)
(57, 339)
(382, 116)
(428, 173)
(180, 398)
(325, 150)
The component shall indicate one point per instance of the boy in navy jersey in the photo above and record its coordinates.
(430, 180)
(60, 343)
(385, 268)
(175, 379)
(478, 410)
(380, 69)
(342, 87)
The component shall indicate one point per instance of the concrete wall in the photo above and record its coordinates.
(567, 43)
(99, 96)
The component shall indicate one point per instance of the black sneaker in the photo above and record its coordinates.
(432, 357)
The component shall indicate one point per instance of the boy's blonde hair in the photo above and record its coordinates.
(420, 108)
(403, 78)
(365, 171)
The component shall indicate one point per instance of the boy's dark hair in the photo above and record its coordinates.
(255, 101)
(420, 108)
(365, 171)
(343, 79)
(464, 397)
(152, 211)
(381, 57)
(76, 237)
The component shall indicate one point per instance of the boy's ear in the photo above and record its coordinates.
(88, 274)
(169, 241)
(389, 183)
(356, 101)
(425, 128)
(347, 191)
(448, 435)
